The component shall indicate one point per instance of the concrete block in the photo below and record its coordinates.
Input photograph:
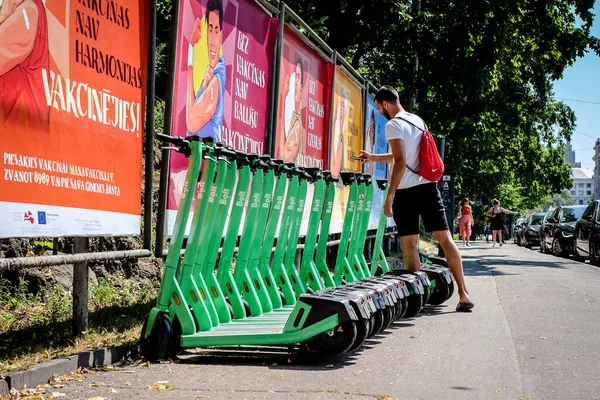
(85, 359)
(4, 388)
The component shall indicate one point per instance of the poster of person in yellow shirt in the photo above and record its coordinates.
(346, 137)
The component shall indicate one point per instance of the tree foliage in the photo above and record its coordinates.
(483, 80)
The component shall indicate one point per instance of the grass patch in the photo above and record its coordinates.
(37, 327)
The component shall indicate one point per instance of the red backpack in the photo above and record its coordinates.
(431, 166)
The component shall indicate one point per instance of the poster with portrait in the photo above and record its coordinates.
(72, 108)
(376, 143)
(222, 80)
(346, 137)
(303, 104)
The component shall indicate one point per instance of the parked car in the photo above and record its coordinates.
(557, 234)
(517, 226)
(587, 234)
(530, 233)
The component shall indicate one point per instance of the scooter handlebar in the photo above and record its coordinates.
(329, 177)
(382, 184)
(348, 178)
(175, 140)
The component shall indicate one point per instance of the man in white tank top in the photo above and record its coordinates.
(410, 195)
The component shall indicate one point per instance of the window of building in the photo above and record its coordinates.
(580, 185)
(572, 193)
(580, 202)
(589, 185)
(589, 192)
(581, 192)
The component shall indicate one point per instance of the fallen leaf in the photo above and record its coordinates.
(98, 398)
(356, 372)
(384, 397)
(194, 366)
(411, 336)
(112, 390)
(58, 394)
(94, 384)
(162, 386)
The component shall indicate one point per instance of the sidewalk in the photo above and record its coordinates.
(440, 354)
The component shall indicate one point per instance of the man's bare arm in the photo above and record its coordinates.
(17, 35)
(386, 158)
(201, 111)
(399, 159)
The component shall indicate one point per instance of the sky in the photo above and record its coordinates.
(581, 82)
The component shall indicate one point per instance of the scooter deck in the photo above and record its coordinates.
(257, 334)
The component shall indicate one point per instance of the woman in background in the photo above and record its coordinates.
(466, 222)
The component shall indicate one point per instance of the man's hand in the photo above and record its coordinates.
(196, 31)
(365, 154)
(387, 207)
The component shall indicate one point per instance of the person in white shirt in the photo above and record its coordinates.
(410, 195)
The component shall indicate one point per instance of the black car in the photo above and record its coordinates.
(587, 234)
(557, 234)
(530, 233)
(517, 226)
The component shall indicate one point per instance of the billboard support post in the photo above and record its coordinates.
(80, 288)
(149, 136)
(274, 103)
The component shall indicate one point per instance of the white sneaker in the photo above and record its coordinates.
(494, 245)
(464, 245)
(468, 245)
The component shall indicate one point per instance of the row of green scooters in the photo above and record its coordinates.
(231, 288)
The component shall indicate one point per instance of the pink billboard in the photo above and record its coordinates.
(222, 80)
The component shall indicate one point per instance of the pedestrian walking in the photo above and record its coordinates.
(486, 230)
(497, 214)
(466, 222)
(412, 196)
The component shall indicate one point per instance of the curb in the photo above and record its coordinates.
(41, 373)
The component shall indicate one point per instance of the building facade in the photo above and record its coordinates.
(596, 159)
(584, 187)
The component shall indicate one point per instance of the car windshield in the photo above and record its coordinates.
(537, 219)
(572, 214)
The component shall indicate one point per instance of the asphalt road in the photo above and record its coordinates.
(534, 333)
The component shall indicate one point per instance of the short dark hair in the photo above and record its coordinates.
(215, 5)
(496, 201)
(301, 64)
(387, 93)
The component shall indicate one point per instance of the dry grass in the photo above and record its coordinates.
(37, 328)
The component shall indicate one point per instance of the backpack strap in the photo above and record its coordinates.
(421, 129)
(413, 124)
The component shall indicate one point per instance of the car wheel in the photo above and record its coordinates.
(542, 244)
(593, 254)
(576, 254)
(556, 248)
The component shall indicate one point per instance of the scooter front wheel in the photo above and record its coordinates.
(440, 293)
(155, 346)
(362, 332)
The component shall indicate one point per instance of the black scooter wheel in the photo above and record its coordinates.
(337, 341)
(155, 346)
(378, 324)
(415, 303)
(439, 294)
(230, 308)
(247, 308)
(397, 310)
(404, 302)
(363, 327)
(389, 313)
(372, 322)
(426, 294)
(282, 297)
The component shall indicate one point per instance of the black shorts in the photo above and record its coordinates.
(421, 200)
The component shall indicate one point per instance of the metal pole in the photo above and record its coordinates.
(149, 143)
(80, 288)
(410, 106)
(164, 171)
(271, 138)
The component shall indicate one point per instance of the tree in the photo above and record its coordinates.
(484, 80)
(563, 198)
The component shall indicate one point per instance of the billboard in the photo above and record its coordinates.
(346, 137)
(304, 102)
(222, 80)
(72, 117)
(376, 143)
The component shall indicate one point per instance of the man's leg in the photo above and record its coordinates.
(410, 252)
(454, 262)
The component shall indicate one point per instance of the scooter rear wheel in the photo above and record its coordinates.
(440, 292)
(337, 341)
(450, 289)
(155, 346)
(363, 327)
(378, 324)
(415, 304)
(404, 302)
(389, 313)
